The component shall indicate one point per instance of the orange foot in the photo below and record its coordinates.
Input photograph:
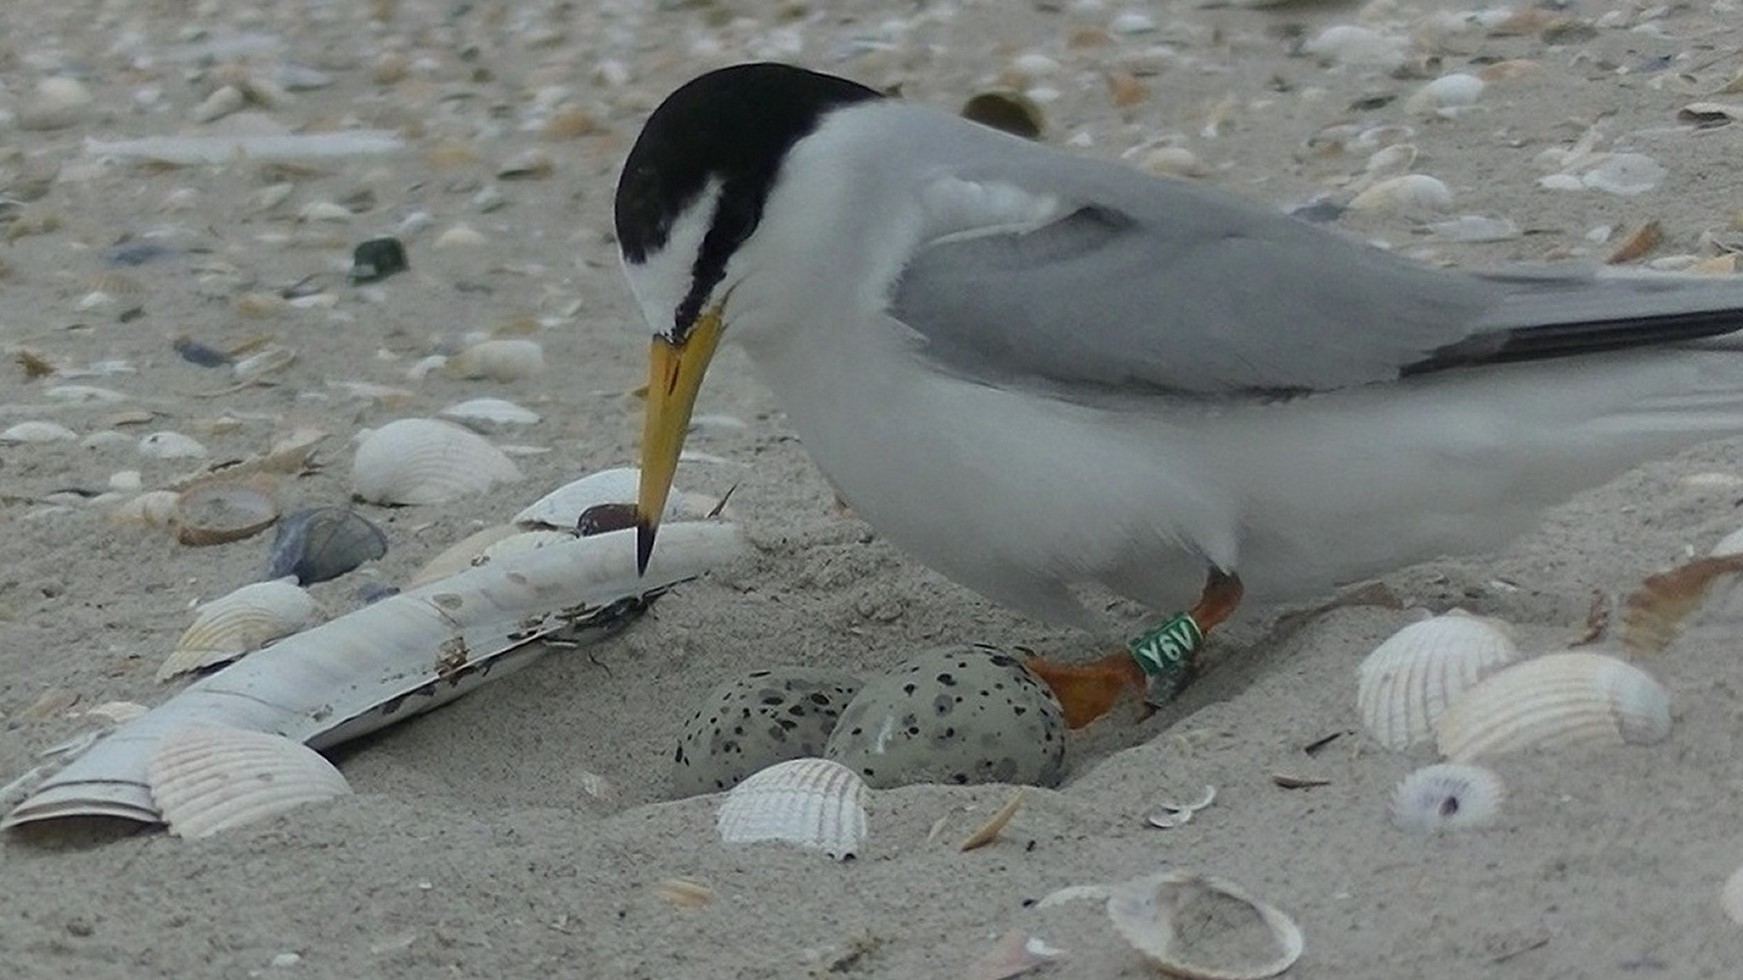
(1088, 691)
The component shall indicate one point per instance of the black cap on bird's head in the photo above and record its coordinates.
(720, 138)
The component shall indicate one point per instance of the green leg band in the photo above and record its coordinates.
(1166, 656)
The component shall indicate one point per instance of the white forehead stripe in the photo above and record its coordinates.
(662, 280)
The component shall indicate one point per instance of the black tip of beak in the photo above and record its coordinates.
(644, 544)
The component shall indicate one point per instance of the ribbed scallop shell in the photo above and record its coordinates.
(1556, 700)
(1447, 796)
(1183, 923)
(498, 360)
(241, 622)
(427, 461)
(208, 778)
(814, 803)
(1408, 681)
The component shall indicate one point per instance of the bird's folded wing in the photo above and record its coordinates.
(1139, 284)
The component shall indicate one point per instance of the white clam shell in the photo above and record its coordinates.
(427, 461)
(1166, 915)
(1556, 700)
(1406, 194)
(208, 779)
(155, 508)
(241, 622)
(489, 414)
(814, 803)
(37, 431)
(563, 507)
(498, 360)
(171, 445)
(1408, 681)
(1447, 796)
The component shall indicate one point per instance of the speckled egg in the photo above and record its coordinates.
(752, 722)
(956, 715)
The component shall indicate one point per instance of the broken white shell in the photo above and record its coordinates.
(1173, 916)
(209, 778)
(815, 803)
(427, 461)
(241, 622)
(1556, 700)
(1447, 796)
(1408, 681)
(498, 360)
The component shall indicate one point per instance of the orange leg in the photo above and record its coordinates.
(1088, 691)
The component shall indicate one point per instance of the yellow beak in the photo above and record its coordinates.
(675, 372)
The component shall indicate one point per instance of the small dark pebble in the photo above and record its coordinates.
(376, 259)
(323, 543)
(195, 352)
(601, 518)
(134, 253)
(1319, 212)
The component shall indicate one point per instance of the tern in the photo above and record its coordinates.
(1037, 372)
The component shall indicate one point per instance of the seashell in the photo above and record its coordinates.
(60, 102)
(269, 360)
(38, 432)
(1009, 111)
(460, 236)
(1408, 194)
(814, 803)
(1174, 161)
(498, 360)
(1446, 95)
(126, 481)
(489, 414)
(1391, 160)
(171, 445)
(1625, 173)
(460, 555)
(1015, 954)
(1731, 897)
(1653, 615)
(220, 103)
(1447, 796)
(239, 623)
(1170, 815)
(427, 461)
(562, 508)
(1361, 47)
(535, 164)
(154, 509)
(1556, 700)
(324, 211)
(216, 513)
(1408, 681)
(207, 779)
(323, 543)
(1132, 22)
(1476, 228)
(1185, 923)
(84, 394)
(1708, 115)
(116, 712)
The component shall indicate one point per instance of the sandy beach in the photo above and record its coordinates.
(526, 830)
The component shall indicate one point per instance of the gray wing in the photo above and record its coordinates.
(1145, 283)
